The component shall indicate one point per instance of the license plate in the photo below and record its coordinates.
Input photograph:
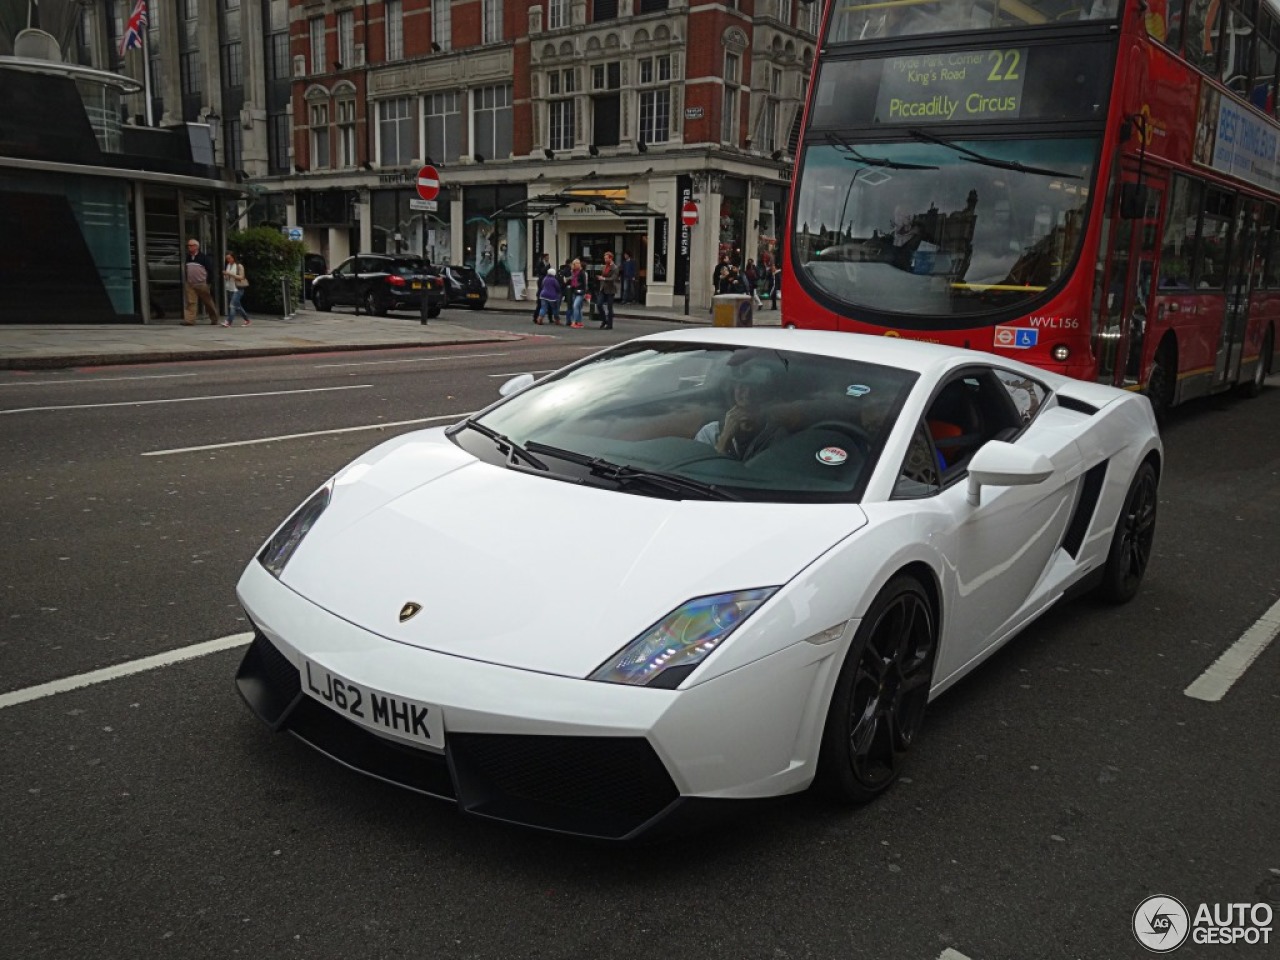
(473, 296)
(416, 285)
(406, 719)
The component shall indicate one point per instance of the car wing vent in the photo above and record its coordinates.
(1068, 402)
(1086, 506)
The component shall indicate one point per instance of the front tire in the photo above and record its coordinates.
(1160, 383)
(1131, 542)
(321, 300)
(879, 700)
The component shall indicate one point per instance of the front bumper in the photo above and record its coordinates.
(567, 755)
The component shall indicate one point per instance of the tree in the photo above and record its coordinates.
(269, 259)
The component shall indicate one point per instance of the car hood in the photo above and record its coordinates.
(531, 572)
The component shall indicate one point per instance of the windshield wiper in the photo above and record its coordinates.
(974, 157)
(624, 475)
(505, 444)
(845, 147)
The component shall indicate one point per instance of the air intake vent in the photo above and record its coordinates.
(1074, 403)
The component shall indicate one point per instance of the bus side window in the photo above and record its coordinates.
(1211, 250)
(1271, 272)
(1179, 234)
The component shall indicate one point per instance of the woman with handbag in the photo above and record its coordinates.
(237, 281)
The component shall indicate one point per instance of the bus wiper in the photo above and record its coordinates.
(845, 147)
(974, 157)
(506, 445)
(624, 475)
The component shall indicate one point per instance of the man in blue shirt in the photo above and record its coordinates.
(628, 278)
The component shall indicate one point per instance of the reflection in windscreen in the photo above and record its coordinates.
(771, 425)
(923, 228)
(855, 20)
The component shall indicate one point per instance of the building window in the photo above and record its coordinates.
(813, 18)
(397, 142)
(557, 14)
(232, 65)
(319, 136)
(278, 68)
(655, 104)
(784, 11)
(317, 45)
(278, 131)
(346, 133)
(233, 144)
(729, 118)
(491, 109)
(768, 135)
(604, 10)
(442, 24)
(606, 76)
(652, 6)
(395, 30)
(346, 39)
(444, 126)
(189, 65)
(560, 123)
(492, 13)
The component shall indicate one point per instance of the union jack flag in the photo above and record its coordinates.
(133, 28)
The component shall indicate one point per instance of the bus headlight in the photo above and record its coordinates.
(1060, 352)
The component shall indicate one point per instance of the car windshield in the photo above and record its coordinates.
(737, 422)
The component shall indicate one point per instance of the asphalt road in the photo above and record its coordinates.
(153, 816)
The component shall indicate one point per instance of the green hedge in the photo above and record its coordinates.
(268, 257)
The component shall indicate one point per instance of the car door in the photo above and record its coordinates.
(341, 288)
(996, 552)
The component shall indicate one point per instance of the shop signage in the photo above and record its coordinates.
(684, 187)
(636, 226)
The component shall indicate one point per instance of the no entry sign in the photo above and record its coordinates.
(428, 182)
(689, 214)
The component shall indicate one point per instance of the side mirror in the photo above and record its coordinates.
(1000, 464)
(516, 384)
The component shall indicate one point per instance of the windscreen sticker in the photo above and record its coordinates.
(857, 390)
(832, 456)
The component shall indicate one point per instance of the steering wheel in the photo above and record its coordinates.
(856, 434)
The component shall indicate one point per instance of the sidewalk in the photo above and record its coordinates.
(48, 346)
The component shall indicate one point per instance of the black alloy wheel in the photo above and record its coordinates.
(373, 305)
(321, 300)
(878, 704)
(1131, 542)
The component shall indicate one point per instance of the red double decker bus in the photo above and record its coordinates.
(1092, 186)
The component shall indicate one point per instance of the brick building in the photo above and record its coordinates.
(565, 126)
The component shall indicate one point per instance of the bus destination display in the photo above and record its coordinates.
(955, 87)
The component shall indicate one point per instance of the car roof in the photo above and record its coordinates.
(931, 360)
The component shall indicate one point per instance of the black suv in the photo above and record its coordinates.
(378, 282)
(464, 287)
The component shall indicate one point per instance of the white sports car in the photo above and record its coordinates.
(704, 566)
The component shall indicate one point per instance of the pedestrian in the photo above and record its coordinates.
(608, 287)
(566, 269)
(577, 293)
(540, 269)
(628, 278)
(237, 281)
(198, 272)
(549, 298)
(752, 276)
(775, 284)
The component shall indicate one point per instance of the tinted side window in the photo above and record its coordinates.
(1027, 395)
(919, 475)
(1179, 234)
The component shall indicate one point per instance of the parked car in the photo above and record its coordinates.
(464, 287)
(763, 599)
(379, 282)
(313, 266)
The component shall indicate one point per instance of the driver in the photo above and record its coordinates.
(746, 428)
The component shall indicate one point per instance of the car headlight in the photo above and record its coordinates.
(285, 541)
(668, 651)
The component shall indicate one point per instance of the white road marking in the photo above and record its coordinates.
(1213, 684)
(41, 383)
(124, 669)
(225, 396)
(300, 436)
(949, 954)
(374, 363)
(536, 373)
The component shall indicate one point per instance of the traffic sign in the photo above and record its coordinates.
(295, 233)
(689, 214)
(428, 182)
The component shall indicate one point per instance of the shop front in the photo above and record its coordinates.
(494, 234)
(402, 222)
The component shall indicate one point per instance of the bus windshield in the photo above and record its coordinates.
(854, 20)
(940, 228)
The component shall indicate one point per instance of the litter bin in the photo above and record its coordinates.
(732, 310)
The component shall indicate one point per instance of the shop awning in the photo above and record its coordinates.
(606, 200)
